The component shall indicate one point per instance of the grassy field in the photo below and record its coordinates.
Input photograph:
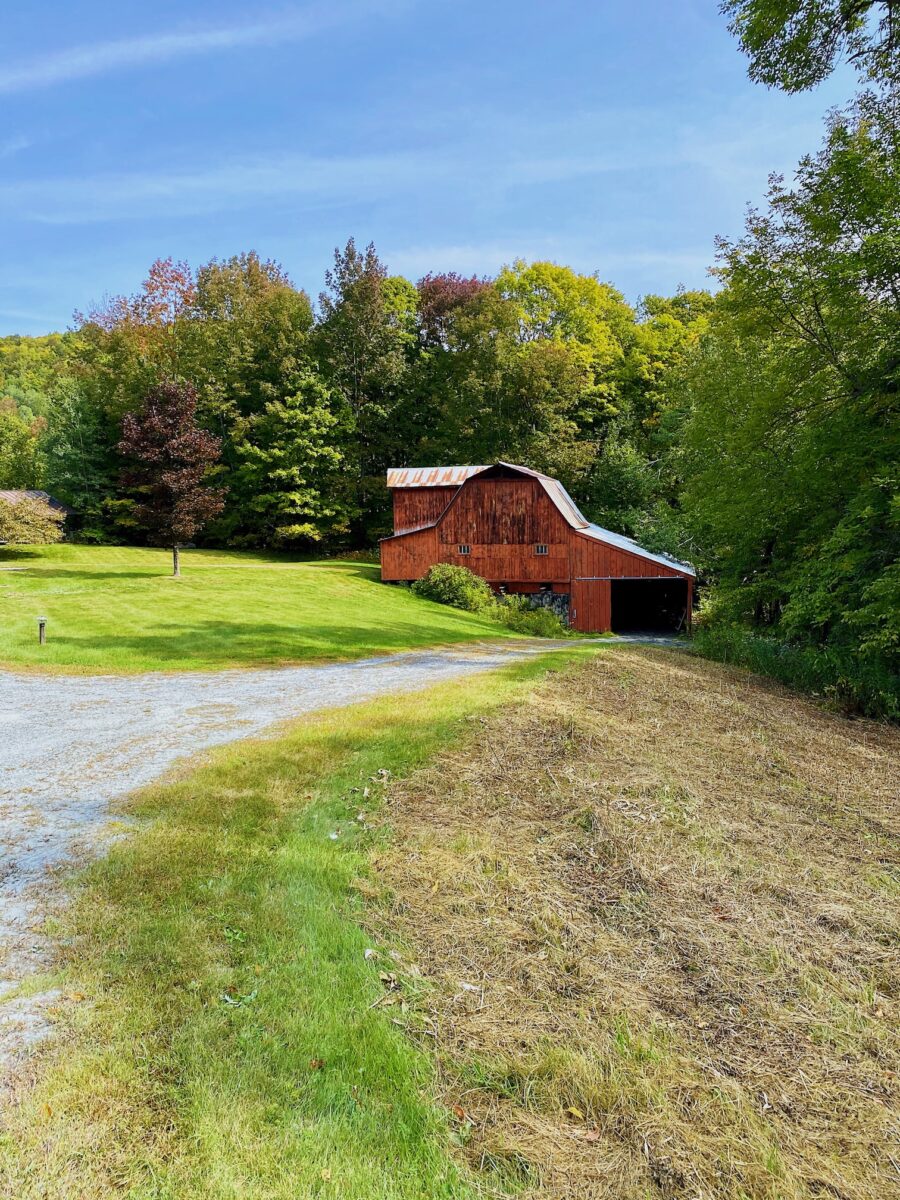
(634, 926)
(119, 609)
(223, 1031)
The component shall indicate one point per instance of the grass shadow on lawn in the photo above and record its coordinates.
(212, 644)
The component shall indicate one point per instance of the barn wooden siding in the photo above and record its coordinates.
(502, 521)
(415, 507)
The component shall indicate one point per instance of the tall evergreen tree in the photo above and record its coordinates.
(364, 340)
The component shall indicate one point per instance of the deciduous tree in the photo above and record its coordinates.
(170, 458)
(791, 442)
(795, 44)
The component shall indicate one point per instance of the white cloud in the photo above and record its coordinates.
(215, 187)
(101, 58)
(237, 183)
(13, 145)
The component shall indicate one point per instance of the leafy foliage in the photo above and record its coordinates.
(288, 483)
(29, 522)
(170, 457)
(836, 675)
(795, 44)
(461, 588)
(517, 613)
(791, 437)
(457, 586)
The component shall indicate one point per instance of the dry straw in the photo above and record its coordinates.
(650, 918)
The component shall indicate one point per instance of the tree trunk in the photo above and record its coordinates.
(176, 565)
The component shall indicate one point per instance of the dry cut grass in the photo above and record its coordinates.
(652, 926)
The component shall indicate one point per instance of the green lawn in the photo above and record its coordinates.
(221, 1033)
(119, 609)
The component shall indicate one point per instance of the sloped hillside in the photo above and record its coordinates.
(654, 908)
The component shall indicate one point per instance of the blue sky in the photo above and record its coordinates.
(617, 137)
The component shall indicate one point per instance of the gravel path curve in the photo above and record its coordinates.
(71, 744)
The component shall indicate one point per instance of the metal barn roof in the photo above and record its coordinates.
(16, 497)
(411, 477)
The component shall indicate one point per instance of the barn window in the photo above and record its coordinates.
(540, 549)
(464, 549)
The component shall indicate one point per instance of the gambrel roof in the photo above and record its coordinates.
(416, 477)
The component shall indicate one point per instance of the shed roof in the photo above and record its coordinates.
(410, 477)
(16, 497)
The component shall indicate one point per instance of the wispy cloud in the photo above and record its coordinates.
(241, 182)
(215, 187)
(13, 145)
(101, 58)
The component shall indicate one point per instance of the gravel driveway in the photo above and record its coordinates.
(71, 744)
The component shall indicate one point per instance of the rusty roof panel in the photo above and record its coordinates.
(413, 477)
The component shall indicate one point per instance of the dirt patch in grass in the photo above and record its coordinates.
(653, 916)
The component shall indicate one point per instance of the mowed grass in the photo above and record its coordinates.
(671, 890)
(223, 1032)
(119, 609)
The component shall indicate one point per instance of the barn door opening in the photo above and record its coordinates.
(649, 605)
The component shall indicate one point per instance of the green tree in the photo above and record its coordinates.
(81, 465)
(795, 44)
(20, 459)
(364, 341)
(245, 344)
(554, 303)
(288, 489)
(791, 437)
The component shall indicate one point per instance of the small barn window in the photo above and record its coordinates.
(464, 549)
(540, 548)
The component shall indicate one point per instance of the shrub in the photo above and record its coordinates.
(457, 586)
(516, 612)
(840, 677)
(29, 522)
(461, 588)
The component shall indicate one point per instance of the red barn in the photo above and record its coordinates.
(522, 532)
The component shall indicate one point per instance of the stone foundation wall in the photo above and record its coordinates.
(557, 602)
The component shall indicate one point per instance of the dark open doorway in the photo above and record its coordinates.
(649, 605)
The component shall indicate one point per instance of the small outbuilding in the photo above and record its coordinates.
(17, 497)
(522, 532)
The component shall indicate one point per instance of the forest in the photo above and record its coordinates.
(751, 429)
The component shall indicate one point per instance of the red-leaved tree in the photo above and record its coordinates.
(170, 456)
(439, 298)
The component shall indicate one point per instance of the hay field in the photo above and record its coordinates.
(650, 924)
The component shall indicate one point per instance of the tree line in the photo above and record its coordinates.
(752, 430)
(539, 365)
